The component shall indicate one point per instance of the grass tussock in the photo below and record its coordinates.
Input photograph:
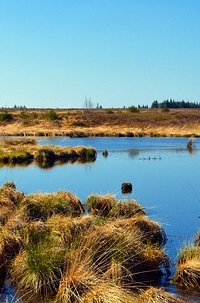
(158, 295)
(23, 151)
(108, 206)
(68, 228)
(152, 231)
(38, 267)
(106, 292)
(47, 156)
(41, 206)
(9, 194)
(188, 268)
(50, 248)
(107, 253)
(9, 198)
(10, 245)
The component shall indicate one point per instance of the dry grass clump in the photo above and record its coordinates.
(10, 245)
(153, 232)
(86, 266)
(49, 248)
(126, 209)
(100, 205)
(21, 141)
(8, 193)
(38, 266)
(68, 228)
(5, 213)
(41, 206)
(49, 155)
(188, 268)
(106, 292)
(109, 254)
(158, 295)
(25, 150)
(9, 198)
(109, 206)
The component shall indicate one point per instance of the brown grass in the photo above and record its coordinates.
(48, 247)
(158, 295)
(43, 205)
(108, 206)
(96, 122)
(187, 274)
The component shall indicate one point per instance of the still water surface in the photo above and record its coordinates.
(164, 174)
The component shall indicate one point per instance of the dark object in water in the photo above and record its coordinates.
(126, 188)
(105, 153)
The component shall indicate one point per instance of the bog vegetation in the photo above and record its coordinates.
(55, 248)
(26, 150)
(132, 121)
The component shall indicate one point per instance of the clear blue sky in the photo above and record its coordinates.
(56, 53)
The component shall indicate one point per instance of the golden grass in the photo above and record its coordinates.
(96, 122)
(158, 295)
(25, 150)
(48, 247)
(106, 292)
(108, 206)
(10, 245)
(9, 195)
(188, 274)
(68, 228)
(152, 232)
(188, 267)
(44, 205)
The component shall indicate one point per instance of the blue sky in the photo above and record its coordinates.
(57, 53)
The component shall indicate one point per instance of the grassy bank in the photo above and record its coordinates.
(25, 151)
(51, 249)
(100, 122)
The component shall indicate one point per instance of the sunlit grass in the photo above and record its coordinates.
(188, 267)
(49, 247)
(44, 205)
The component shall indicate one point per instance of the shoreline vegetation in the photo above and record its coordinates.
(55, 248)
(100, 122)
(23, 151)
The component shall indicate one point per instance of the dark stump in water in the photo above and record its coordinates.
(126, 188)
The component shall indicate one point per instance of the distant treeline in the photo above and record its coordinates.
(175, 104)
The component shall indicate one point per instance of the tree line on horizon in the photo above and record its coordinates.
(175, 104)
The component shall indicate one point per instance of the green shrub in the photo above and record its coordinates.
(91, 154)
(133, 109)
(5, 116)
(24, 115)
(109, 111)
(51, 115)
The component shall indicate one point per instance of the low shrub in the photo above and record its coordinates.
(133, 109)
(6, 116)
(51, 115)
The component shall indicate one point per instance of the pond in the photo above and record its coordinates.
(164, 174)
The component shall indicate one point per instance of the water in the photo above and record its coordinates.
(164, 174)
